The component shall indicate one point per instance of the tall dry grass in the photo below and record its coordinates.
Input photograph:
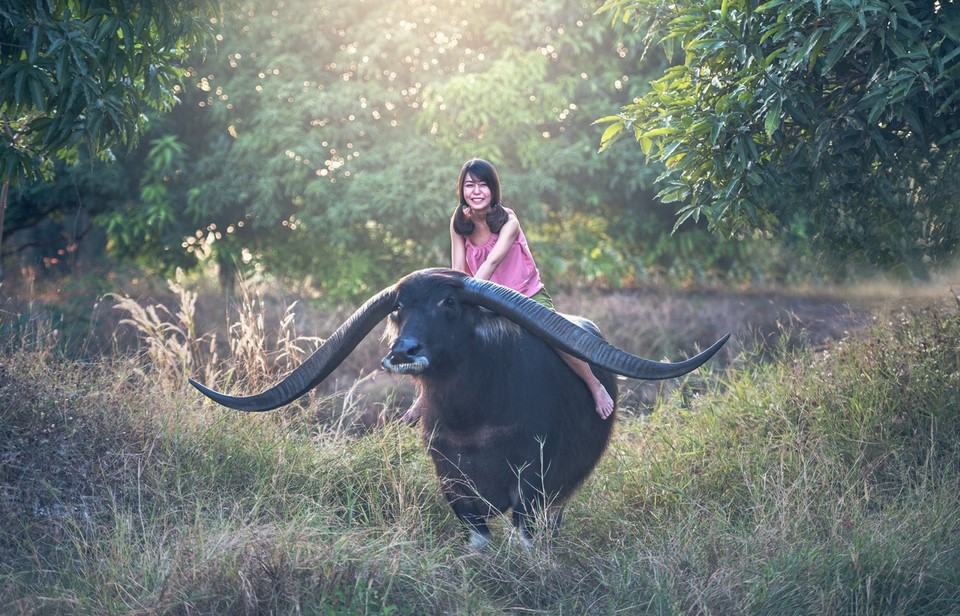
(824, 481)
(174, 349)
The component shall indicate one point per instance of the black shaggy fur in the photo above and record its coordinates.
(509, 426)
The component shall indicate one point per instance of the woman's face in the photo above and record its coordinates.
(476, 193)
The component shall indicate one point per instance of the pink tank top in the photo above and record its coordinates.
(517, 270)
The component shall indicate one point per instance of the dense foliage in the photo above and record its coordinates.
(324, 139)
(321, 142)
(81, 72)
(836, 122)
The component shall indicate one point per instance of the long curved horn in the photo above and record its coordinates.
(319, 365)
(560, 333)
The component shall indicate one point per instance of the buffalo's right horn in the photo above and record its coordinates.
(561, 333)
(320, 364)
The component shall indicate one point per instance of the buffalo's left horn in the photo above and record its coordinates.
(560, 333)
(320, 364)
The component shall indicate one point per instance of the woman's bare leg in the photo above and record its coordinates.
(604, 403)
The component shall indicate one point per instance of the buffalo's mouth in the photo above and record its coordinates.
(414, 365)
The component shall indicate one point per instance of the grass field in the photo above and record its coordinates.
(794, 478)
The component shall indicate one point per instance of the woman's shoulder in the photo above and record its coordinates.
(511, 216)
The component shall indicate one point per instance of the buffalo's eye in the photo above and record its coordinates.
(448, 303)
(396, 312)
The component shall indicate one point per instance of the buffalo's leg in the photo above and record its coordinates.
(472, 511)
(479, 532)
(523, 523)
(528, 505)
(479, 536)
(528, 510)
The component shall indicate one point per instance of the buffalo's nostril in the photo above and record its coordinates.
(406, 348)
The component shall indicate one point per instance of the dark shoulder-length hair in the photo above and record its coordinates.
(484, 172)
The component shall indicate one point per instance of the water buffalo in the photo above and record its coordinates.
(509, 426)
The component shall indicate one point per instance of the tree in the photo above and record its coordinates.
(77, 73)
(835, 122)
(321, 140)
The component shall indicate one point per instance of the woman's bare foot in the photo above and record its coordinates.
(602, 399)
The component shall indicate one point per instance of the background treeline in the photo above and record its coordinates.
(321, 141)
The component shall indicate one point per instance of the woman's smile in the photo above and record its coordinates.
(476, 193)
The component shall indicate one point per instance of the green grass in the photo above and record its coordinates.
(823, 482)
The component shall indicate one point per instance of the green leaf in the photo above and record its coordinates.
(838, 51)
(37, 93)
(950, 138)
(816, 49)
(10, 71)
(715, 132)
(659, 132)
(770, 57)
(843, 24)
(605, 119)
(684, 215)
(612, 131)
(772, 4)
(772, 120)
